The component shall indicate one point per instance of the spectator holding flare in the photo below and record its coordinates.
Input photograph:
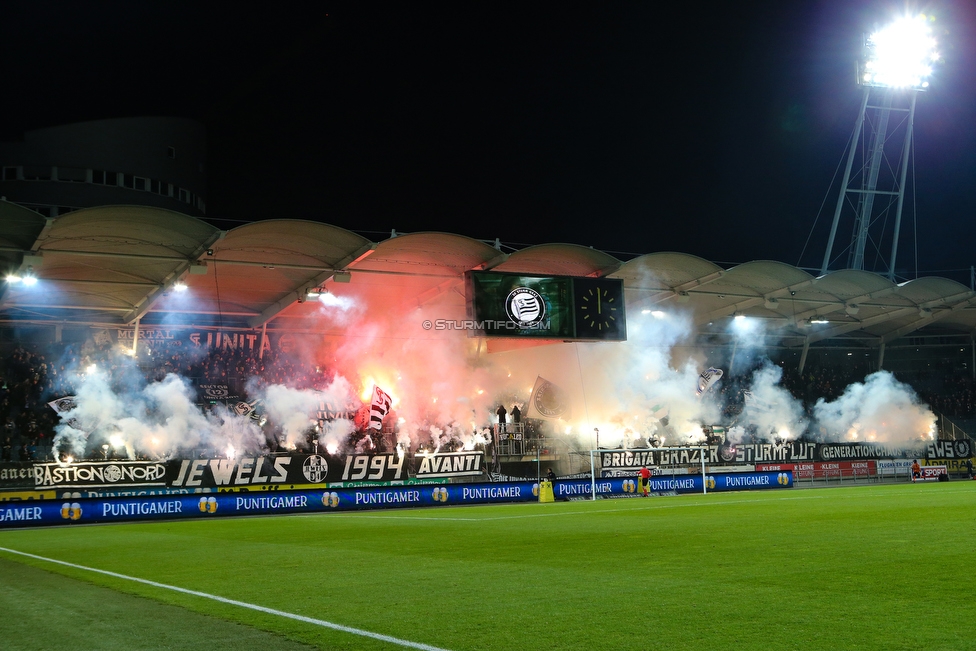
(644, 482)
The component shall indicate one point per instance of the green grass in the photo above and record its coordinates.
(50, 612)
(879, 567)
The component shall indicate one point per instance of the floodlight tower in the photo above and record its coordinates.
(895, 66)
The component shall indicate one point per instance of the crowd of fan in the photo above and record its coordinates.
(30, 379)
(945, 390)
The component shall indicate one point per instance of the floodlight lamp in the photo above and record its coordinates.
(29, 278)
(900, 55)
(179, 286)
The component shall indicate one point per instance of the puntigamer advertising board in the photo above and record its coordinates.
(120, 509)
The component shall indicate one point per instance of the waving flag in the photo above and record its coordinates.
(248, 409)
(61, 405)
(708, 378)
(756, 405)
(660, 410)
(547, 401)
(379, 407)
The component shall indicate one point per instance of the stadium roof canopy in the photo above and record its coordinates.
(114, 265)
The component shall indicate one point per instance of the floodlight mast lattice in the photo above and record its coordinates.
(896, 66)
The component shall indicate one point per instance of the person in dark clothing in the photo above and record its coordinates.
(502, 413)
(516, 414)
(550, 475)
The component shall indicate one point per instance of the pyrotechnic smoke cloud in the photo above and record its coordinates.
(770, 408)
(156, 419)
(879, 409)
(446, 385)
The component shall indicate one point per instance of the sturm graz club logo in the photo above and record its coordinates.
(963, 448)
(727, 452)
(113, 473)
(550, 400)
(525, 306)
(315, 469)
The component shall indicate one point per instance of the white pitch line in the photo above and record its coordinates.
(241, 604)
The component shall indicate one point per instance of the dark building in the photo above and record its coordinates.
(145, 161)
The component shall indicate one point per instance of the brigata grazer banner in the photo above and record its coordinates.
(790, 452)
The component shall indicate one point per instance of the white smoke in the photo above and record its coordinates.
(879, 409)
(770, 408)
(295, 410)
(446, 386)
(155, 420)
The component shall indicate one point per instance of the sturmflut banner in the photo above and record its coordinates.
(790, 452)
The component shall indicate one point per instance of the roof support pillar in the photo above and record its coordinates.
(135, 338)
(803, 355)
(264, 339)
(881, 350)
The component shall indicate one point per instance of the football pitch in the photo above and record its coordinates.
(869, 567)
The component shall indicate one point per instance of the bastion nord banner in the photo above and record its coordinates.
(295, 470)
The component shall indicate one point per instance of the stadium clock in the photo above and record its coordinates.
(599, 309)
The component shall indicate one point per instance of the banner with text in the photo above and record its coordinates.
(86, 511)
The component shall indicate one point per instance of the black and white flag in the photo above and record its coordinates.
(378, 408)
(62, 405)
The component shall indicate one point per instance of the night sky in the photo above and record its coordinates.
(713, 129)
